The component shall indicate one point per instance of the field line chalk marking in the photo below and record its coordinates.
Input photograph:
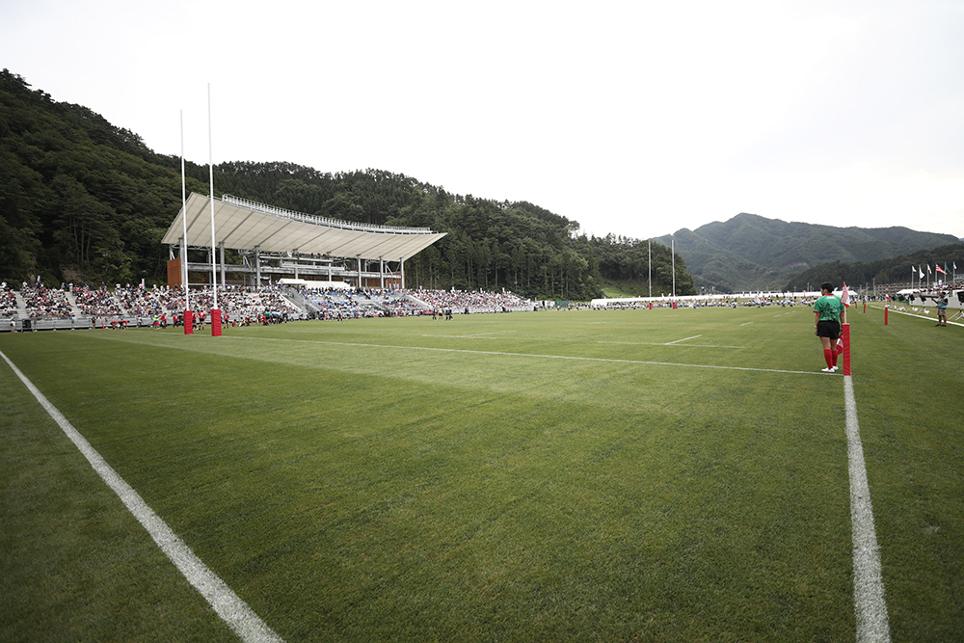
(934, 318)
(682, 340)
(233, 611)
(602, 341)
(746, 323)
(870, 608)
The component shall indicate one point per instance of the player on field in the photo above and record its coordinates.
(829, 312)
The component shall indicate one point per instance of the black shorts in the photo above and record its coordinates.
(828, 328)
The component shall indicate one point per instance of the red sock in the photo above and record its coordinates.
(828, 357)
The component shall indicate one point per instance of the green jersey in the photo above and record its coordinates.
(829, 308)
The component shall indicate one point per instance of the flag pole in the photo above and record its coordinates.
(187, 321)
(672, 250)
(215, 311)
(650, 251)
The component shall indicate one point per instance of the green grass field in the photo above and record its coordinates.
(558, 475)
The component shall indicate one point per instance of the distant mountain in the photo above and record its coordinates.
(883, 271)
(750, 252)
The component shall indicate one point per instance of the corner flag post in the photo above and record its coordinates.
(845, 335)
(188, 317)
(215, 311)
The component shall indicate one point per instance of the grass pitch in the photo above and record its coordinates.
(559, 475)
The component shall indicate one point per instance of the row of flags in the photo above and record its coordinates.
(937, 268)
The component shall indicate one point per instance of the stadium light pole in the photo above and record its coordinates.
(215, 311)
(188, 320)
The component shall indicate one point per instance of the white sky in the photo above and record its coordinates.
(637, 118)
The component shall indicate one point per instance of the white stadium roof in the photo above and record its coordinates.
(246, 225)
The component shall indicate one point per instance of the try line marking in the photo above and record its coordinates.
(870, 608)
(233, 611)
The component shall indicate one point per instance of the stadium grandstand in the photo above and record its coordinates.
(70, 306)
(285, 266)
(270, 243)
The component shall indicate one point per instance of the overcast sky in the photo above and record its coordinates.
(637, 118)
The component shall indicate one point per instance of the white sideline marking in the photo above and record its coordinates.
(460, 336)
(746, 323)
(870, 607)
(602, 341)
(901, 312)
(682, 340)
(232, 610)
(575, 358)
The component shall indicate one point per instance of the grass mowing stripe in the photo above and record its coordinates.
(577, 358)
(870, 608)
(232, 610)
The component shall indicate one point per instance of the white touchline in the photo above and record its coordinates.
(682, 340)
(870, 608)
(901, 312)
(232, 610)
(602, 341)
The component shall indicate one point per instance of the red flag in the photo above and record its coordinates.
(938, 268)
(845, 296)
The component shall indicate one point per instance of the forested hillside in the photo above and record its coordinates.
(83, 200)
(884, 271)
(750, 252)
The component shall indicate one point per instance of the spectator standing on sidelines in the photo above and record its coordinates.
(828, 313)
(941, 301)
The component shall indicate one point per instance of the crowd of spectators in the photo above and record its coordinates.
(243, 305)
(148, 302)
(8, 301)
(353, 303)
(95, 302)
(474, 301)
(139, 302)
(346, 303)
(46, 303)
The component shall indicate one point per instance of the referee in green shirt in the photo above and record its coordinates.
(829, 312)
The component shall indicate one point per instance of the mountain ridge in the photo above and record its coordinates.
(884, 271)
(752, 252)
